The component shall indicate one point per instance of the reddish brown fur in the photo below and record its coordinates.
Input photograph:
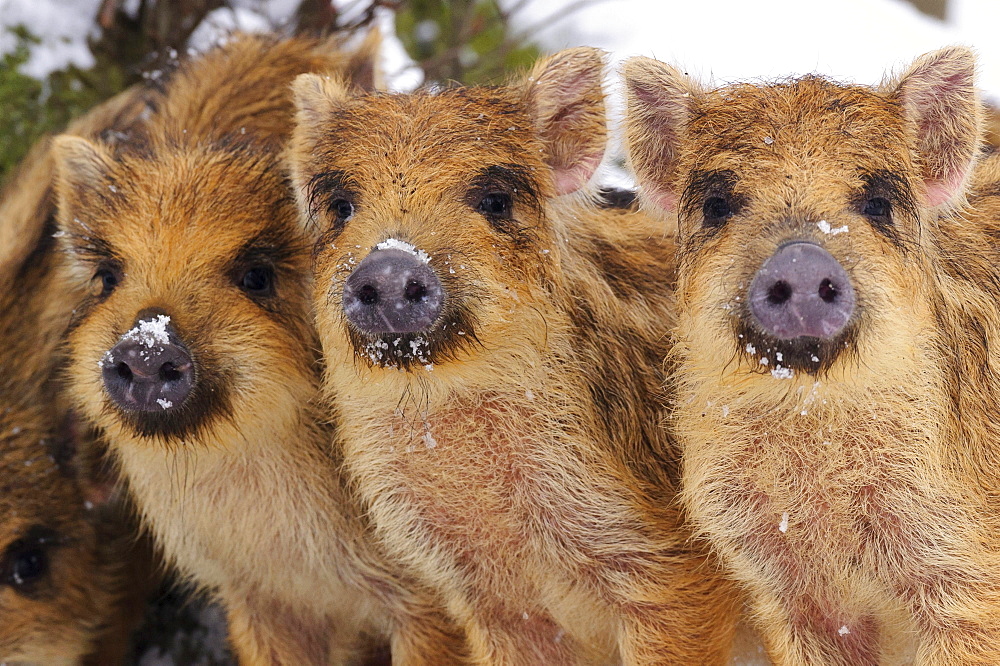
(880, 462)
(514, 461)
(244, 496)
(82, 608)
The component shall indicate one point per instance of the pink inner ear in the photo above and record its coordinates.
(660, 196)
(576, 176)
(939, 191)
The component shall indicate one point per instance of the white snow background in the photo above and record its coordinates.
(716, 41)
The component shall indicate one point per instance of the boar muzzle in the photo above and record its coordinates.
(801, 291)
(150, 369)
(393, 291)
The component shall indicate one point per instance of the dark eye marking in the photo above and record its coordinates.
(710, 198)
(716, 211)
(341, 209)
(331, 198)
(258, 265)
(883, 198)
(496, 205)
(496, 191)
(107, 276)
(25, 562)
(258, 281)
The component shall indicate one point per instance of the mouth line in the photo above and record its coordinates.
(455, 333)
(767, 354)
(208, 402)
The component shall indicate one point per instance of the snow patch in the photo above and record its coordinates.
(825, 227)
(150, 332)
(779, 372)
(783, 525)
(164, 404)
(396, 244)
(63, 26)
(843, 631)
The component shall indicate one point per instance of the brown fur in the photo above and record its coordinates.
(513, 459)
(857, 500)
(239, 487)
(83, 606)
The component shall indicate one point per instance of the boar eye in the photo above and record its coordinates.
(258, 281)
(105, 279)
(716, 210)
(877, 207)
(342, 210)
(496, 205)
(26, 560)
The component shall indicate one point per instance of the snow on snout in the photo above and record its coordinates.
(396, 244)
(150, 332)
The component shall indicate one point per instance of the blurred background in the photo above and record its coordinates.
(59, 57)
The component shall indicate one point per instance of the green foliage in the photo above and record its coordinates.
(468, 41)
(31, 108)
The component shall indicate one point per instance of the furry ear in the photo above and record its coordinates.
(565, 99)
(316, 97)
(941, 102)
(364, 67)
(26, 204)
(83, 171)
(659, 104)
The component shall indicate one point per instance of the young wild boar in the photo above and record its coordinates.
(59, 584)
(194, 354)
(493, 369)
(836, 353)
(67, 592)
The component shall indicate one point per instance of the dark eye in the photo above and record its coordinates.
(716, 210)
(496, 205)
(877, 207)
(26, 561)
(258, 281)
(342, 209)
(105, 279)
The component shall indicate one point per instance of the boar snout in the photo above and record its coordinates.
(150, 369)
(393, 291)
(801, 291)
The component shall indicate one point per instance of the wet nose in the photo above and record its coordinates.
(150, 369)
(393, 291)
(802, 291)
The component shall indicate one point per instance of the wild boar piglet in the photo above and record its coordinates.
(194, 352)
(836, 353)
(494, 365)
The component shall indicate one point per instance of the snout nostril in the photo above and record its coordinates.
(124, 371)
(367, 294)
(168, 373)
(779, 293)
(415, 291)
(827, 291)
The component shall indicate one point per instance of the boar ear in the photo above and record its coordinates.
(660, 101)
(565, 99)
(364, 68)
(315, 98)
(26, 204)
(940, 100)
(82, 169)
